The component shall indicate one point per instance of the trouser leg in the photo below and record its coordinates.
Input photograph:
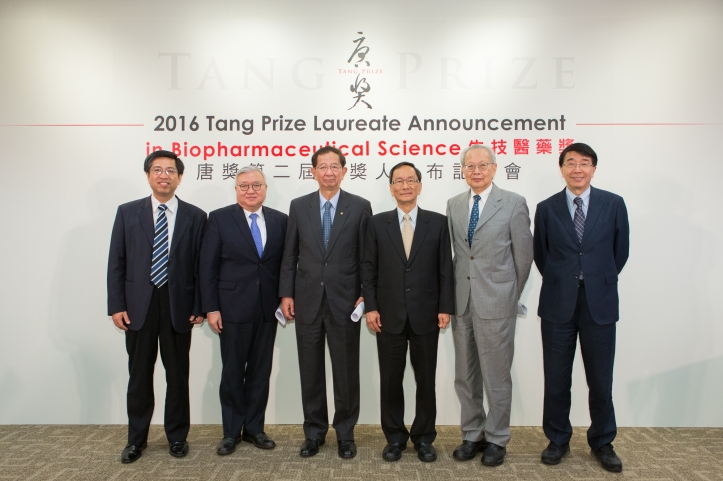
(423, 356)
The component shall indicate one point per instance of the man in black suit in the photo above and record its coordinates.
(153, 296)
(409, 296)
(240, 262)
(321, 286)
(581, 244)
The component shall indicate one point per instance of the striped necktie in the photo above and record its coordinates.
(579, 218)
(159, 264)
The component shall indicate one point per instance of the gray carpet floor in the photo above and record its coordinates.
(58, 452)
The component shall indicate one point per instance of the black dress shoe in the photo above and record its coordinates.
(132, 452)
(393, 451)
(493, 455)
(178, 449)
(227, 446)
(310, 447)
(347, 449)
(608, 459)
(261, 440)
(468, 449)
(553, 453)
(426, 452)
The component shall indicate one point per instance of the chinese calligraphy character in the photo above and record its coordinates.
(435, 171)
(204, 172)
(513, 171)
(499, 147)
(360, 51)
(358, 171)
(279, 167)
(522, 146)
(384, 172)
(360, 88)
(544, 146)
(458, 172)
(305, 172)
(564, 143)
(230, 171)
(472, 142)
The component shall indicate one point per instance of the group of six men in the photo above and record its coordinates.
(246, 265)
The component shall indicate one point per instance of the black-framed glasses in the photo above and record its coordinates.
(245, 187)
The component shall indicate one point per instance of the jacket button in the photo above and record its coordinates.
(408, 289)
(471, 258)
(467, 277)
(325, 264)
(323, 283)
(576, 277)
(257, 283)
(582, 253)
(408, 270)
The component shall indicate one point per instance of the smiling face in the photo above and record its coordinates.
(578, 171)
(483, 170)
(328, 172)
(405, 187)
(162, 184)
(251, 199)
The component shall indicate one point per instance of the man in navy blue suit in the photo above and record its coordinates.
(240, 263)
(581, 244)
(153, 296)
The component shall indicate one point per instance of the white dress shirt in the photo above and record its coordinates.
(484, 195)
(171, 211)
(259, 222)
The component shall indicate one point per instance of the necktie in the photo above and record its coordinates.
(473, 219)
(407, 234)
(256, 234)
(579, 218)
(326, 224)
(159, 264)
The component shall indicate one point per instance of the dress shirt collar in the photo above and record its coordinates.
(412, 214)
(248, 213)
(334, 200)
(585, 196)
(483, 195)
(171, 205)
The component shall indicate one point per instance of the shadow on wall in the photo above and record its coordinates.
(689, 396)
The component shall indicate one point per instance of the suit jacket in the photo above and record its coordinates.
(129, 263)
(232, 274)
(600, 256)
(307, 269)
(418, 288)
(495, 269)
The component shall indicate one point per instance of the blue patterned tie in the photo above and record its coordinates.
(159, 264)
(326, 224)
(473, 219)
(579, 218)
(256, 234)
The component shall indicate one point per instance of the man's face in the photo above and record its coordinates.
(250, 199)
(162, 183)
(578, 171)
(328, 172)
(404, 186)
(479, 171)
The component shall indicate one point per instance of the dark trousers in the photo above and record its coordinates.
(142, 347)
(343, 343)
(392, 349)
(247, 350)
(597, 345)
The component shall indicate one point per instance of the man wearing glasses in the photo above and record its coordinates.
(490, 231)
(153, 296)
(409, 296)
(321, 286)
(581, 245)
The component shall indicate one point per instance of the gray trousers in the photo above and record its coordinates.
(484, 349)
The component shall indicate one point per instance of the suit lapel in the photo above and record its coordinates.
(145, 215)
(493, 204)
(240, 218)
(395, 234)
(271, 231)
(460, 213)
(595, 204)
(563, 212)
(314, 211)
(420, 232)
(183, 219)
(340, 217)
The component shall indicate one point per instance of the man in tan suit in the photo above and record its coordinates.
(492, 242)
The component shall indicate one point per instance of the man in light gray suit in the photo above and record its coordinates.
(492, 242)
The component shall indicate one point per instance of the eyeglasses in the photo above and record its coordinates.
(169, 171)
(399, 182)
(473, 167)
(245, 187)
(572, 166)
(334, 168)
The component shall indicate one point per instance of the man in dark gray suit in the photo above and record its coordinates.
(320, 286)
(490, 231)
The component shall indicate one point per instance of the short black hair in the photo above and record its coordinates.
(402, 164)
(580, 148)
(162, 153)
(326, 149)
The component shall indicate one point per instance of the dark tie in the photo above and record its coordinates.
(473, 219)
(579, 218)
(256, 234)
(326, 224)
(159, 264)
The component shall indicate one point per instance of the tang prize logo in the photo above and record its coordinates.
(360, 88)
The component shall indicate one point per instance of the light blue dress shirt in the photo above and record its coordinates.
(585, 196)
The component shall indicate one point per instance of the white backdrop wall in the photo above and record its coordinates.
(82, 82)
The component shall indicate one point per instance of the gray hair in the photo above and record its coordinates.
(493, 157)
(249, 169)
